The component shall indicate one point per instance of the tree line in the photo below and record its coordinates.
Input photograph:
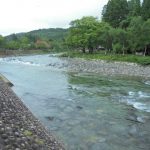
(51, 39)
(124, 29)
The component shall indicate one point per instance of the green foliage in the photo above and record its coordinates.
(138, 36)
(48, 34)
(105, 35)
(146, 9)
(59, 46)
(2, 41)
(12, 45)
(145, 37)
(38, 39)
(110, 57)
(117, 48)
(134, 7)
(115, 12)
(120, 40)
(83, 33)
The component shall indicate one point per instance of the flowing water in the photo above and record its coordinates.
(86, 111)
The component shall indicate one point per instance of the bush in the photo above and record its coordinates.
(117, 48)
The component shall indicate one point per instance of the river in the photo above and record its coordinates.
(86, 111)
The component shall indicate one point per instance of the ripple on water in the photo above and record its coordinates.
(138, 94)
(139, 100)
(18, 61)
(141, 106)
(147, 82)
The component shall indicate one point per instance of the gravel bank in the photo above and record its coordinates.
(107, 68)
(19, 129)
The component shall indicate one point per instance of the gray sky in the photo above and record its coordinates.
(26, 15)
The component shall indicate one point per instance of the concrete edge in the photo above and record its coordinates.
(9, 83)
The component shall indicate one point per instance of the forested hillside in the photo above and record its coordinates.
(38, 39)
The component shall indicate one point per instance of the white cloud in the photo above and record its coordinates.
(25, 15)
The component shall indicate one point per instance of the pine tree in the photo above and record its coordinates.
(134, 7)
(115, 12)
(146, 9)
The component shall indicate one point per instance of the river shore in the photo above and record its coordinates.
(106, 67)
(19, 129)
(103, 67)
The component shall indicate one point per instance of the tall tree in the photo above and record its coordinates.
(134, 7)
(105, 36)
(83, 33)
(120, 40)
(146, 9)
(115, 12)
(145, 36)
(135, 32)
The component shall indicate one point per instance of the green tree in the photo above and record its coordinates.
(146, 9)
(120, 40)
(12, 45)
(2, 41)
(145, 36)
(83, 33)
(134, 7)
(24, 42)
(135, 33)
(115, 12)
(105, 36)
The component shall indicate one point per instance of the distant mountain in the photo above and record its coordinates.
(44, 34)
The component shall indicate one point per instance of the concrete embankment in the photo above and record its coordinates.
(9, 83)
(19, 129)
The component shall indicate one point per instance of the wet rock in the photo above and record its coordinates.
(135, 119)
(140, 119)
(133, 131)
(101, 140)
(17, 134)
(50, 118)
(79, 107)
(4, 136)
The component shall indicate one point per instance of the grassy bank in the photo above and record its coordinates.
(142, 60)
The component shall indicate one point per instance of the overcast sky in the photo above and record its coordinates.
(26, 15)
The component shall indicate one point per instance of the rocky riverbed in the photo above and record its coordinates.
(107, 68)
(19, 129)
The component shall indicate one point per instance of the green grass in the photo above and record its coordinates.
(142, 60)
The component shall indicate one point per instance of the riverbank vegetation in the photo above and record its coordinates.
(109, 57)
(124, 29)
